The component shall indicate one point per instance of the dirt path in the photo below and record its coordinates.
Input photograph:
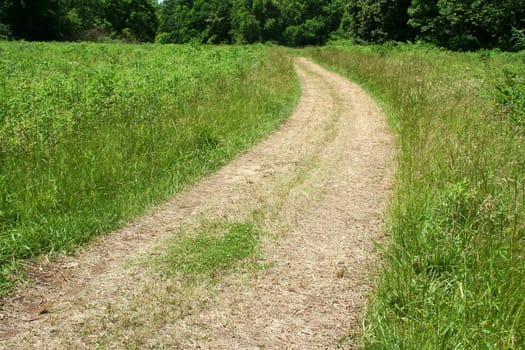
(318, 186)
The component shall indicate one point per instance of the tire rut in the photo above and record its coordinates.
(318, 185)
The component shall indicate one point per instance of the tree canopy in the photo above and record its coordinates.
(453, 24)
(45, 20)
(469, 24)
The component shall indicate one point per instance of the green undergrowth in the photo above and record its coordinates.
(454, 273)
(91, 135)
(216, 249)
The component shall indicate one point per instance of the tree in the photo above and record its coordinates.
(423, 18)
(292, 22)
(70, 19)
(36, 19)
(468, 24)
(202, 20)
(378, 21)
(256, 21)
(87, 20)
(5, 29)
(454, 24)
(132, 17)
(310, 22)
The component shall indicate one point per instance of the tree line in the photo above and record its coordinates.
(453, 24)
(58, 20)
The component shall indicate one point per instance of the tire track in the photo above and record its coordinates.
(319, 185)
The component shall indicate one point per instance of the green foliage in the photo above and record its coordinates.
(310, 22)
(5, 32)
(423, 16)
(215, 249)
(36, 19)
(457, 25)
(85, 18)
(292, 22)
(256, 21)
(454, 272)
(468, 24)
(5, 29)
(91, 134)
(510, 95)
(517, 39)
(80, 19)
(132, 19)
(163, 38)
(378, 21)
(203, 20)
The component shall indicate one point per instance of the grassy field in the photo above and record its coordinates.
(91, 134)
(454, 274)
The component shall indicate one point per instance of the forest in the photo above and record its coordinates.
(462, 25)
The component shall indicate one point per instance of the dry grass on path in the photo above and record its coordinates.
(318, 187)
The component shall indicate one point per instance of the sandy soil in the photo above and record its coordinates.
(318, 186)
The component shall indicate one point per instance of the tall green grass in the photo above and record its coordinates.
(454, 273)
(91, 134)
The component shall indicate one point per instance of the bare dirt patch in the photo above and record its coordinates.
(318, 185)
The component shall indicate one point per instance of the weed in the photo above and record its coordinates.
(510, 95)
(217, 248)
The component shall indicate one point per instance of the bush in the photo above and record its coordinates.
(518, 39)
(163, 38)
(510, 95)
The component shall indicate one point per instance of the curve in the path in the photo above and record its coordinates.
(319, 185)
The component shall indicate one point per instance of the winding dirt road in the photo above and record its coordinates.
(318, 187)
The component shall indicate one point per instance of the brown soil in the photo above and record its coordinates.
(318, 186)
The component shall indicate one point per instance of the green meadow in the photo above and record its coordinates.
(91, 135)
